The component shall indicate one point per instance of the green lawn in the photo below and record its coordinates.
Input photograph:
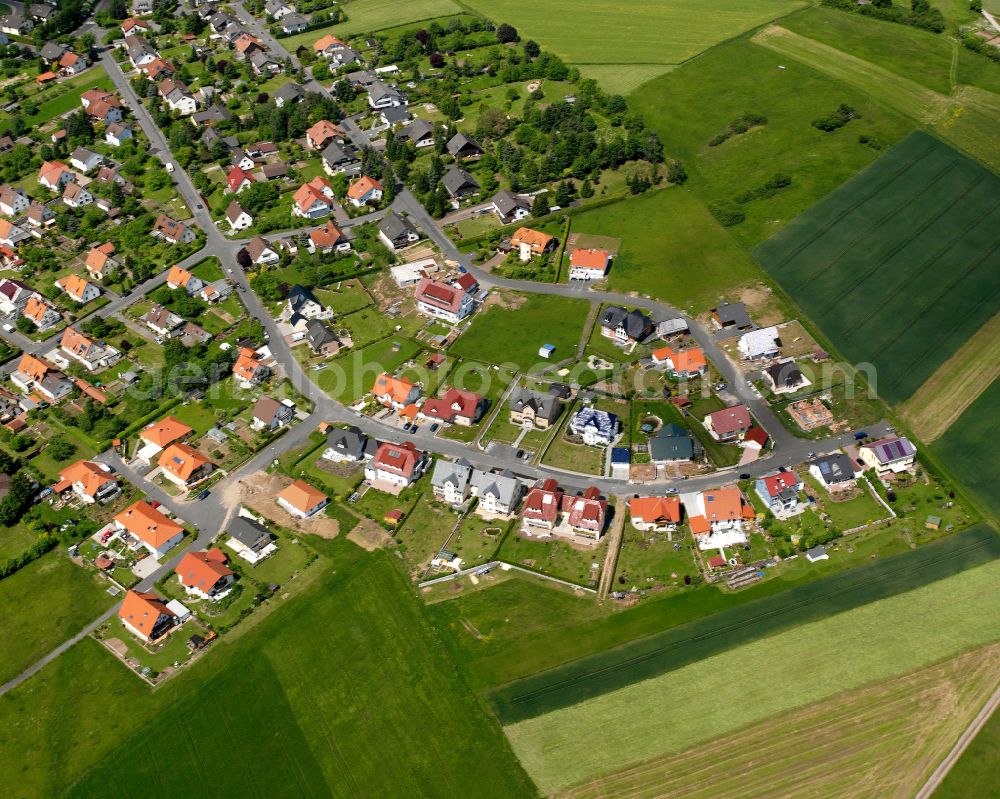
(86, 720)
(538, 320)
(350, 376)
(876, 641)
(741, 78)
(554, 557)
(424, 531)
(663, 235)
(645, 33)
(966, 449)
(647, 560)
(70, 98)
(798, 591)
(42, 605)
(901, 291)
(367, 16)
(851, 513)
(349, 297)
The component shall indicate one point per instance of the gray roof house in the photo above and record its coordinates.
(626, 325)
(458, 183)
(288, 94)
(348, 445)
(509, 206)
(497, 492)
(396, 232)
(671, 443)
(339, 157)
(450, 481)
(322, 340)
(269, 414)
(532, 405)
(419, 131)
(833, 471)
(732, 315)
(249, 532)
(462, 146)
(294, 23)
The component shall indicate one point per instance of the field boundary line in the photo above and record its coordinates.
(967, 737)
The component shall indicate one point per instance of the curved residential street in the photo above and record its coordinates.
(209, 515)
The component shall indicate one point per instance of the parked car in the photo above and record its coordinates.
(860, 435)
(204, 494)
(435, 427)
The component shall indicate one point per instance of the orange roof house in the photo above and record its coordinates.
(32, 367)
(75, 286)
(682, 363)
(301, 499)
(531, 242)
(99, 259)
(146, 615)
(395, 391)
(158, 532)
(178, 277)
(205, 574)
(722, 508)
(45, 77)
(655, 513)
(53, 174)
(326, 43)
(183, 464)
(164, 432)
(364, 189)
(89, 480)
(320, 134)
(326, 236)
(248, 369)
(316, 191)
(589, 263)
(40, 312)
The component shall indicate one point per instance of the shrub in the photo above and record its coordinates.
(726, 212)
(837, 119)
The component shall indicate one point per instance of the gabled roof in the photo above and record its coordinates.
(52, 171)
(656, 509)
(363, 186)
(179, 276)
(327, 235)
(834, 468)
(90, 474)
(302, 496)
(440, 295)
(507, 202)
(202, 570)
(327, 42)
(36, 309)
(399, 459)
(456, 180)
(148, 524)
(266, 409)
(397, 388)
(730, 420)
(776, 483)
(454, 402)
(142, 610)
(74, 285)
(164, 432)
(460, 141)
(535, 239)
(32, 367)
(234, 211)
(445, 472)
(236, 178)
(181, 460)
(323, 131)
(590, 259)
(308, 194)
(247, 364)
(891, 449)
(257, 246)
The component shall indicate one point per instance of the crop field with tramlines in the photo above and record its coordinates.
(901, 264)
(617, 668)
(792, 669)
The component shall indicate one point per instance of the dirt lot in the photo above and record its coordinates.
(257, 492)
(506, 300)
(370, 536)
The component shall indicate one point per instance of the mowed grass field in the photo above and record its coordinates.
(367, 16)
(512, 331)
(42, 605)
(889, 734)
(901, 264)
(954, 386)
(968, 448)
(664, 234)
(644, 33)
(968, 125)
(614, 669)
(343, 692)
(698, 101)
(751, 683)
(977, 773)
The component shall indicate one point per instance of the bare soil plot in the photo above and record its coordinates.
(590, 241)
(258, 491)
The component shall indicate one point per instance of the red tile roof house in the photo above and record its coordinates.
(205, 574)
(363, 191)
(443, 301)
(780, 492)
(237, 180)
(146, 616)
(585, 515)
(455, 406)
(541, 508)
(396, 465)
(728, 424)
